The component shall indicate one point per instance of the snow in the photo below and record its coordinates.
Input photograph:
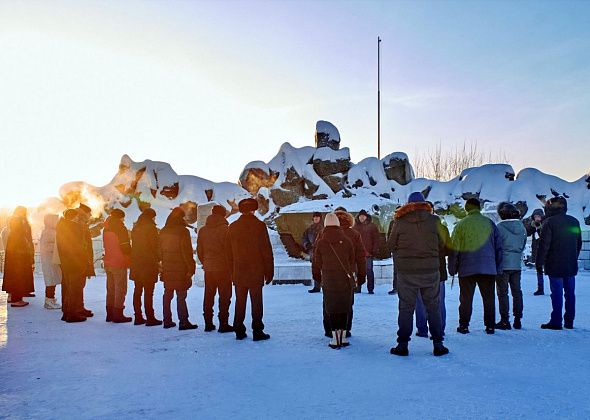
(97, 370)
(327, 154)
(329, 129)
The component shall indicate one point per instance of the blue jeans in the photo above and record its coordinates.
(561, 286)
(421, 317)
(370, 274)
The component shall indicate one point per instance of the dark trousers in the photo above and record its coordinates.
(217, 281)
(181, 308)
(255, 307)
(147, 289)
(510, 278)
(73, 293)
(540, 280)
(394, 283)
(422, 316)
(467, 286)
(326, 320)
(370, 274)
(561, 286)
(409, 287)
(338, 321)
(50, 292)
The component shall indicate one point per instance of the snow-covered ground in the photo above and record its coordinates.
(50, 369)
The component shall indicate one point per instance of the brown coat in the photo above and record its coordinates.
(211, 245)
(178, 264)
(19, 259)
(249, 252)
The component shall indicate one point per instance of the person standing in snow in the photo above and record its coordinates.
(70, 240)
(417, 240)
(178, 268)
(421, 314)
(117, 259)
(213, 256)
(332, 267)
(559, 249)
(309, 239)
(477, 259)
(145, 266)
(513, 235)
(533, 229)
(371, 238)
(51, 270)
(251, 261)
(84, 215)
(346, 221)
(19, 259)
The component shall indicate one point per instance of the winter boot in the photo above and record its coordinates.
(209, 325)
(490, 330)
(75, 318)
(343, 340)
(392, 292)
(109, 314)
(169, 324)
(119, 317)
(151, 320)
(568, 326)
(225, 328)
(19, 304)
(503, 325)
(517, 325)
(186, 325)
(334, 343)
(539, 293)
(51, 303)
(139, 320)
(87, 313)
(440, 350)
(463, 329)
(259, 335)
(400, 350)
(550, 326)
(240, 335)
(314, 290)
(357, 289)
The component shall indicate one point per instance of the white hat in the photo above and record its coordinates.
(331, 220)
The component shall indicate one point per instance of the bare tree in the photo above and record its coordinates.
(445, 164)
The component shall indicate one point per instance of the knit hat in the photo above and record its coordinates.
(331, 220)
(248, 205)
(219, 210)
(85, 208)
(416, 197)
(149, 212)
(117, 214)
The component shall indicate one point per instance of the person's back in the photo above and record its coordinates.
(117, 244)
(51, 271)
(70, 247)
(513, 235)
(211, 244)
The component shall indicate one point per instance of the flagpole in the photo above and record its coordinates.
(378, 97)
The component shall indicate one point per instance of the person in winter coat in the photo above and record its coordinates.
(51, 271)
(309, 238)
(19, 259)
(421, 314)
(69, 237)
(371, 239)
(213, 255)
(84, 215)
(417, 242)
(178, 267)
(533, 229)
(513, 236)
(359, 267)
(117, 259)
(477, 259)
(559, 249)
(332, 266)
(145, 266)
(251, 261)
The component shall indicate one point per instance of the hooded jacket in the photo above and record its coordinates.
(417, 239)
(477, 247)
(560, 244)
(513, 235)
(145, 250)
(117, 244)
(211, 246)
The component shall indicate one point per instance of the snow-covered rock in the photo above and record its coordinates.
(326, 135)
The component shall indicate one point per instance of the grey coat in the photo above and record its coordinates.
(513, 235)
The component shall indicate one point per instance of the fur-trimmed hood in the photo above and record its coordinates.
(346, 219)
(411, 208)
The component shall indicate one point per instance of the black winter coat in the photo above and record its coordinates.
(145, 251)
(71, 247)
(333, 260)
(19, 258)
(417, 239)
(211, 244)
(249, 252)
(560, 244)
(178, 264)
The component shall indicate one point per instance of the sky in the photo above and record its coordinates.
(210, 86)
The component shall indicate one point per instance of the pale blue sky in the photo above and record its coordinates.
(210, 86)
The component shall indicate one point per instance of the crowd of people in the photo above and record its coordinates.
(481, 253)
